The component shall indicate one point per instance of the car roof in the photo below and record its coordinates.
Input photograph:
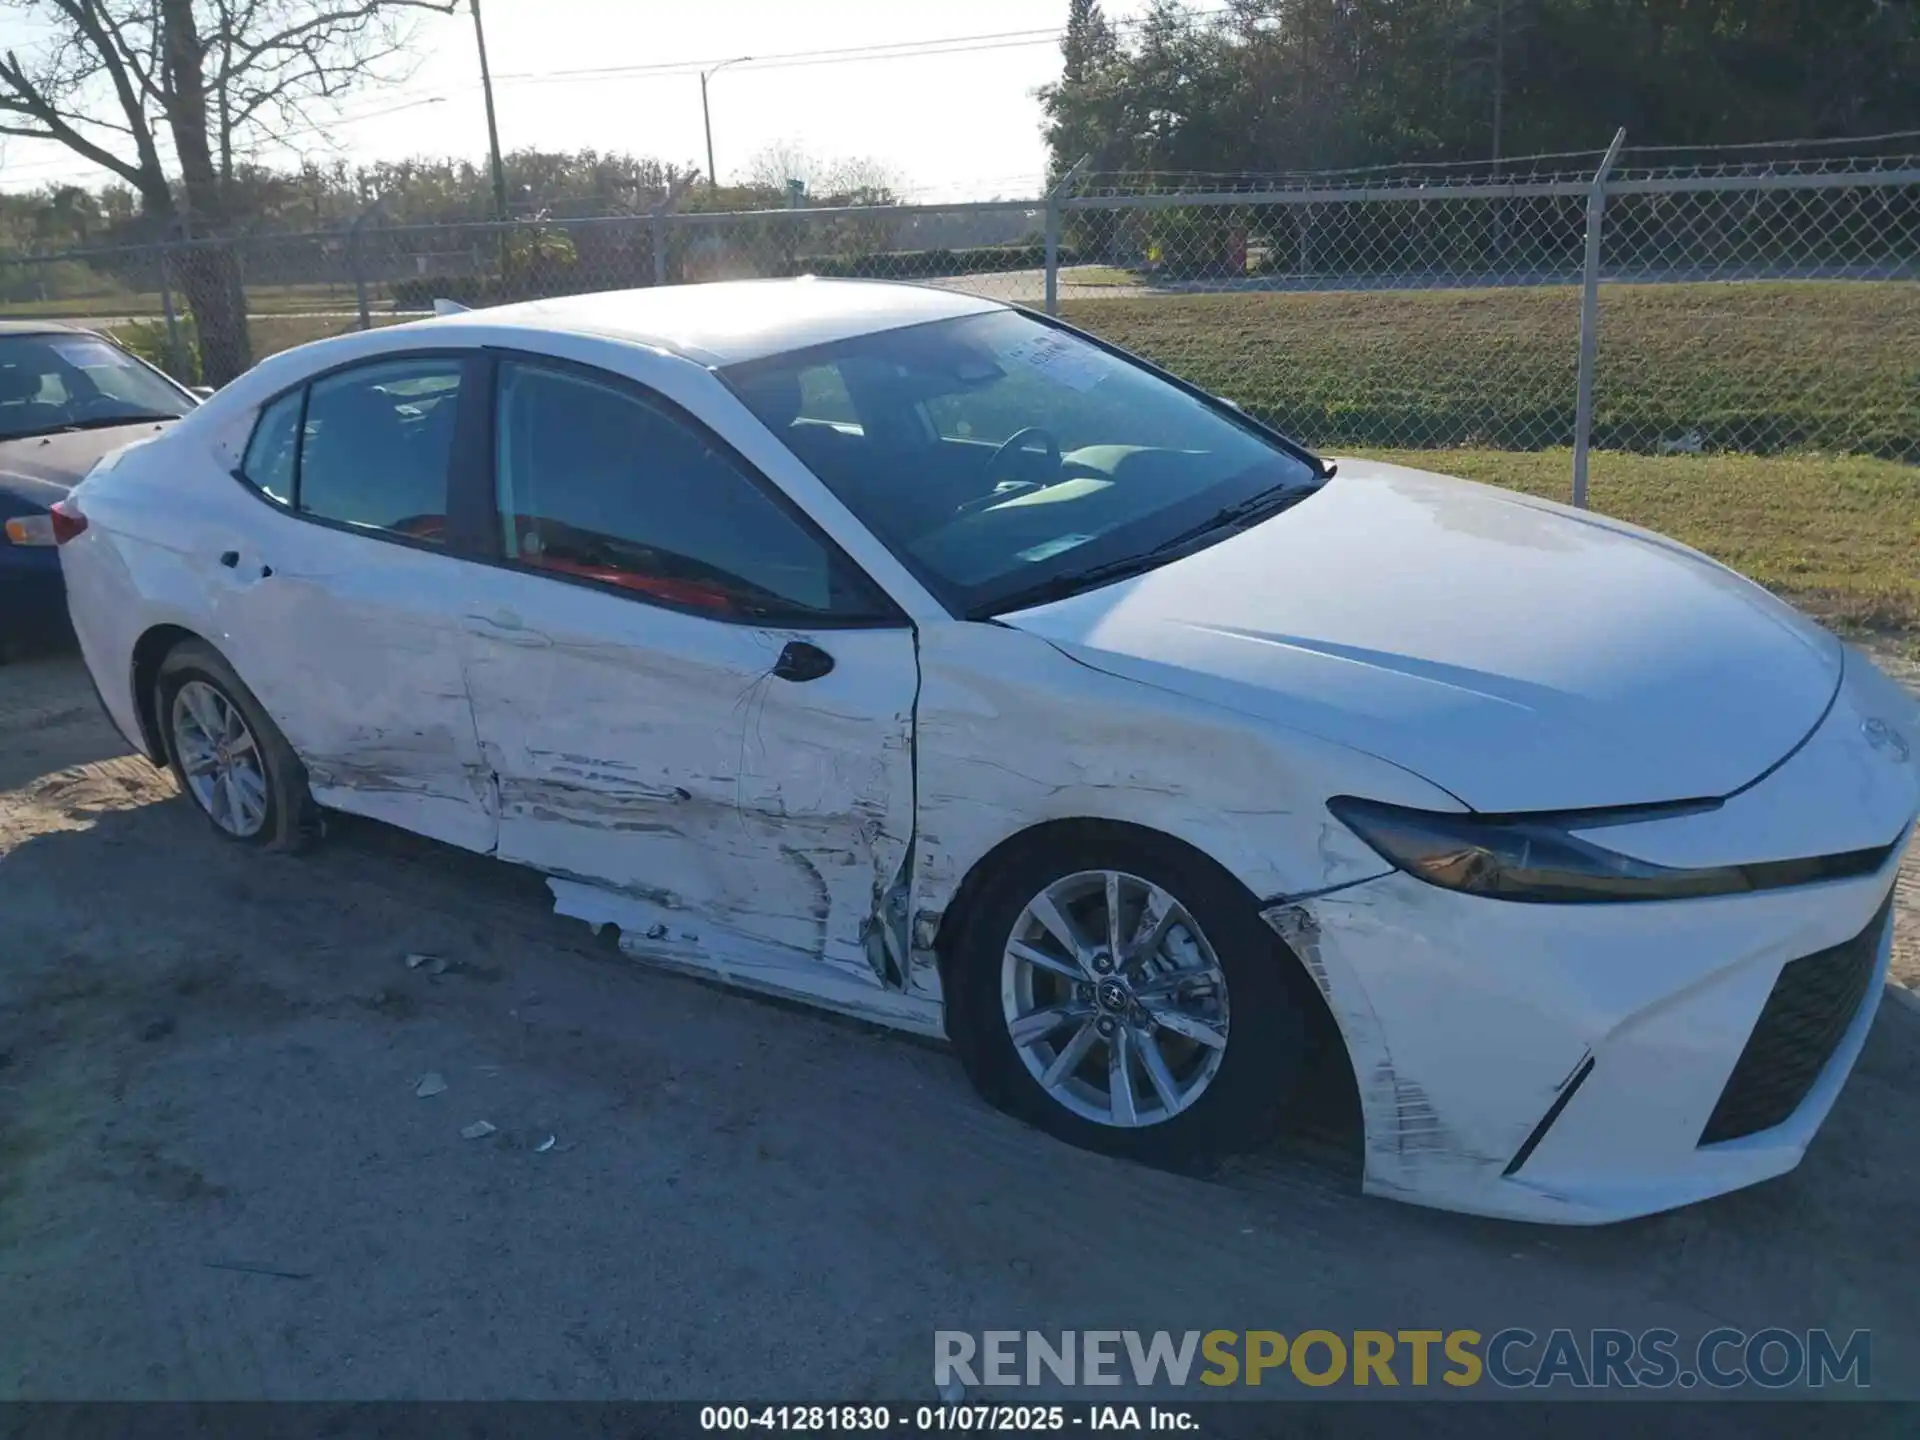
(730, 321)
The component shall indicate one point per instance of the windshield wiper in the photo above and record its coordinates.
(1236, 516)
(1241, 514)
(107, 422)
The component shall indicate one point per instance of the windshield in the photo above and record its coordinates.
(66, 382)
(1005, 461)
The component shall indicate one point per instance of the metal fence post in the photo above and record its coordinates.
(657, 226)
(1053, 253)
(359, 271)
(356, 257)
(1054, 197)
(1590, 319)
(167, 310)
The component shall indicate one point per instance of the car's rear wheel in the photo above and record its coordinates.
(1122, 992)
(228, 757)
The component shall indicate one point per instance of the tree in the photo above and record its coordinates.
(1079, 105)
(1266, 86)
(119, 81)
(847, 181)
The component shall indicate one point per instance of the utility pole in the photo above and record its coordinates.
(1499, 73)
(493, 128)
(706, 115)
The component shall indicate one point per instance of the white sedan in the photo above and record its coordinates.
(928, 660)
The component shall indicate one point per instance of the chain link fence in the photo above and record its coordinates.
(1755, 302)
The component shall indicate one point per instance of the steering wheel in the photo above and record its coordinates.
(83, 407)
(1015, 444)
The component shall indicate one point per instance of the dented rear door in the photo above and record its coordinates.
(335, 592)
(657, 725)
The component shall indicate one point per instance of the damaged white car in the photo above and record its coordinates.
(925, 659)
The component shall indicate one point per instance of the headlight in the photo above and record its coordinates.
(1542, 861)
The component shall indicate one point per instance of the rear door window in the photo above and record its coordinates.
(377, 446)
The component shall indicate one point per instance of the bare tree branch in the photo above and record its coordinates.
(261, 67)
(115, 80)
(136, 52)
(335, 25)
(89, 19)
(22, 97)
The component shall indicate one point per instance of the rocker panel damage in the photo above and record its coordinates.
(649, 751)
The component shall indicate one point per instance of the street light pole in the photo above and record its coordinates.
(493, 129)
(1499, 75)
(706, 115)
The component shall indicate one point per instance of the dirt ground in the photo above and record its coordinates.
(217, 1179)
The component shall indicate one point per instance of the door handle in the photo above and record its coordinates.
(800, 662)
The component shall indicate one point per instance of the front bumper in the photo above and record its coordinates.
(1567, 1063)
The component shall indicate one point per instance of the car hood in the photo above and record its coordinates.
(1520, 654)
(42, 468)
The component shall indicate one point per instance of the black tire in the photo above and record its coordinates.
(292, 820)
(1262, 1065)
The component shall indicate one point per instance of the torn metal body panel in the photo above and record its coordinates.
(655, 933)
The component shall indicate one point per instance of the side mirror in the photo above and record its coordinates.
(201, 392)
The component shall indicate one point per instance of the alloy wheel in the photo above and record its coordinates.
(1113, 998)
(220, 759)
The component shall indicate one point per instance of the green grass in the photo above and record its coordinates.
(274, 333)
(1762, 367)
(263, 299)
(1836, 536)
(1099, 276)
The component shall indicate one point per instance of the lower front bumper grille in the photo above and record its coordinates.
(1809, 1009)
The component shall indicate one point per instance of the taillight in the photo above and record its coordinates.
(67, 521)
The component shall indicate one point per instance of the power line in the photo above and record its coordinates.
(849, 54)
(896, 50)
(795, 59)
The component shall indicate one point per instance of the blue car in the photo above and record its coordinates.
(67, 397)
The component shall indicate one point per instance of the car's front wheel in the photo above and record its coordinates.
(227, 755)
(1122, 992)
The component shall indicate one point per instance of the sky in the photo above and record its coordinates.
(952, 126)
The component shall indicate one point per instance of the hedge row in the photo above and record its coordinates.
(419, 292)
(909, 264)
